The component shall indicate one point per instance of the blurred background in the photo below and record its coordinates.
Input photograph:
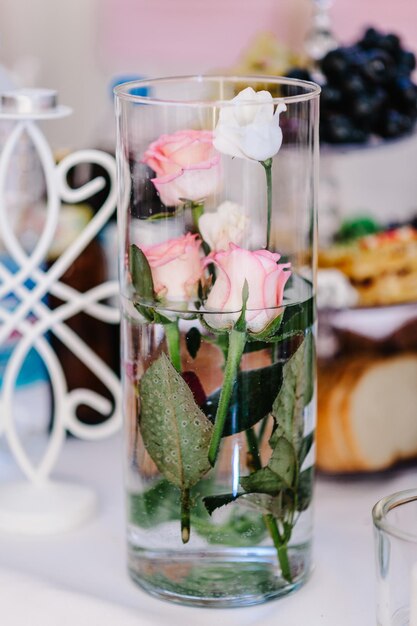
(362, 52)
(78, 47)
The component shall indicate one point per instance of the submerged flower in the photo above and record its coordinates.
(266, 279)
(226, 225)
(251, 130)
(186, 166)
(176, 267)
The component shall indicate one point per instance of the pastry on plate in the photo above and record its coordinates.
(382, 267)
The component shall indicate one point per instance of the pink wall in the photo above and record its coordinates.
(149, 36)
(398, 16)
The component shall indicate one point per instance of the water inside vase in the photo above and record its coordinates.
(231, 558)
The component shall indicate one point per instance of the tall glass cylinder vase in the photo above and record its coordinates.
(217, 225)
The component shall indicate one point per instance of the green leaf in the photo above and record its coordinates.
(269, 332)
(147, 312)
(291, 323)
(143, 285)
(283, 346)
(158, 318)
(255, 346)
(175, 432)
(298, 317)
(278, 475)
(193, 341)
(305, 489)
(161, 216)
(296, 389)
(306, 445)
(263, 502)
(215, 502)
(252, 398)
(161, 504)
(141, 274)
(283, 461)
(310, 367)
(262, 481)
(240, 529)
(157, 505)
(279, 506)
(151, 315)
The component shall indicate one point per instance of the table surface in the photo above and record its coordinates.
(91, 559)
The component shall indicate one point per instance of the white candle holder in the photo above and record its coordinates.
(40, 504)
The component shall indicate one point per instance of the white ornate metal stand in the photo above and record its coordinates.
(39, 504)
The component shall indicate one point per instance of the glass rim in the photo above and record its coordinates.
(312, 90)
(387, 504)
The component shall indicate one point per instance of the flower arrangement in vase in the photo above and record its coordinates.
(218, 359)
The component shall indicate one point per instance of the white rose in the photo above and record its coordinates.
(250, 131)
(226, 225)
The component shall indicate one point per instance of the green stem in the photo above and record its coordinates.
(269, 520)
(197, 210)
(281, 547)
(268, 172)
(237, 342)
(185, 515)
(172, 335)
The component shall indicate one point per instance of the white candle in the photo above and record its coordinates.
(413, 596)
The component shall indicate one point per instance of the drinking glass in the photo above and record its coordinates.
(395, 532)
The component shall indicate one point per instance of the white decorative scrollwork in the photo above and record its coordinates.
(32, 301)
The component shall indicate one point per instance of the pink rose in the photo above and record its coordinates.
(186, 164)
(266, 281)
(176, 266)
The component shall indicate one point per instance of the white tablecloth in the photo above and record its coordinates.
(91, 559)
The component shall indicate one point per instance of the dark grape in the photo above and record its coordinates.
(367, 89)
(406, 62)
(331, 98)
(355, 56)
(353, 86)
(366, 109)
(363, 107)
(299, 73)
(335, 64)
(404, 92)
(378, 68)
(340, 129)
(391, 43)
(370, 39)
(394, 124)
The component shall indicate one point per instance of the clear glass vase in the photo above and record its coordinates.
(217, 225)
